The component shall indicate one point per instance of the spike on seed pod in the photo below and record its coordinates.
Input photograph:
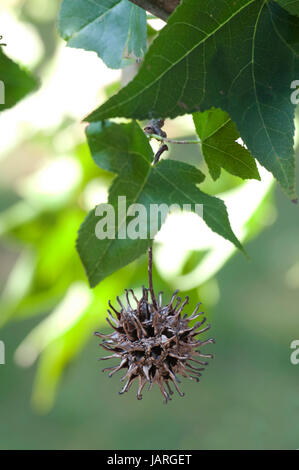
(155, 343)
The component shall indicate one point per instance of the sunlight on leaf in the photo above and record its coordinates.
(114, 29)
(182, 233)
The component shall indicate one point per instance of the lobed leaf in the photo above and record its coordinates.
(239, 56)
(125, 150)
(218, 136)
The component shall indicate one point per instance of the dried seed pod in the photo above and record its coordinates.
(155, 343)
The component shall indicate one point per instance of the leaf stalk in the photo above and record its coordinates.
(173, 141)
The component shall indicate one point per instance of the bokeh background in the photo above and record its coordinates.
(52, 392)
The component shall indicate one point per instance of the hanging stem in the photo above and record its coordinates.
(150, 276)
(157, 126)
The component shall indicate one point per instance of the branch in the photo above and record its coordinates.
(160, 8)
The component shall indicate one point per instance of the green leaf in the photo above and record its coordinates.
(218, 135)
(125, 150)
(15, 82)
(114, 29)
(239, 56)
(291, 5)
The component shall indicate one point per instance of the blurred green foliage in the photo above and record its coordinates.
(247, 399)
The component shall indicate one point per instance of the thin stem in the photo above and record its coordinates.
(163, 148)
(173, 141)
(150, 277)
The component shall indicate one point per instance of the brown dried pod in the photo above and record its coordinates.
(155, 343)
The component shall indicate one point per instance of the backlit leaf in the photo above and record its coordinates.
(114, 29)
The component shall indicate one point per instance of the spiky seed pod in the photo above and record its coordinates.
(155, 343)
